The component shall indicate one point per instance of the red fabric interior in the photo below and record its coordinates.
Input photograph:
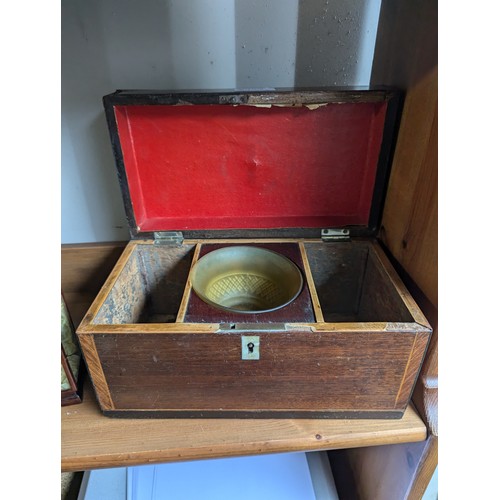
(229, 167)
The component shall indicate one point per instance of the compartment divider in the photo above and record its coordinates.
(312, 288)
(187, 290)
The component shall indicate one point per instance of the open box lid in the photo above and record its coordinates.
(236, 164)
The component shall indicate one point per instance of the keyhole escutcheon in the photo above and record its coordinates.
(250, 347)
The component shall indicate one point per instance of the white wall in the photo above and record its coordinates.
(175, 44)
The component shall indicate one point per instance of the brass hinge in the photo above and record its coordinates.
(168, 238)
(335, 235)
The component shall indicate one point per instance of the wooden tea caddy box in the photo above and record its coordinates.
(299, 172)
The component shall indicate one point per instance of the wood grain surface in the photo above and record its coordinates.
(361, 473)
(94, 367)
(86, 266)
(90, 440)
(84, 269)
(412, 368)
(318, 312)
(187, 289)
(409, 226)
(425, 395)
(297, 371)
(406, 56)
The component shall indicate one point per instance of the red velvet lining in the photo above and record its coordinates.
(229, 167)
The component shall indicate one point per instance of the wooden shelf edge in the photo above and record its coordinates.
(93, 441)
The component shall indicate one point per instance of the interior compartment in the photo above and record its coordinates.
(351, 284)
(299, 310)
(150, 286)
